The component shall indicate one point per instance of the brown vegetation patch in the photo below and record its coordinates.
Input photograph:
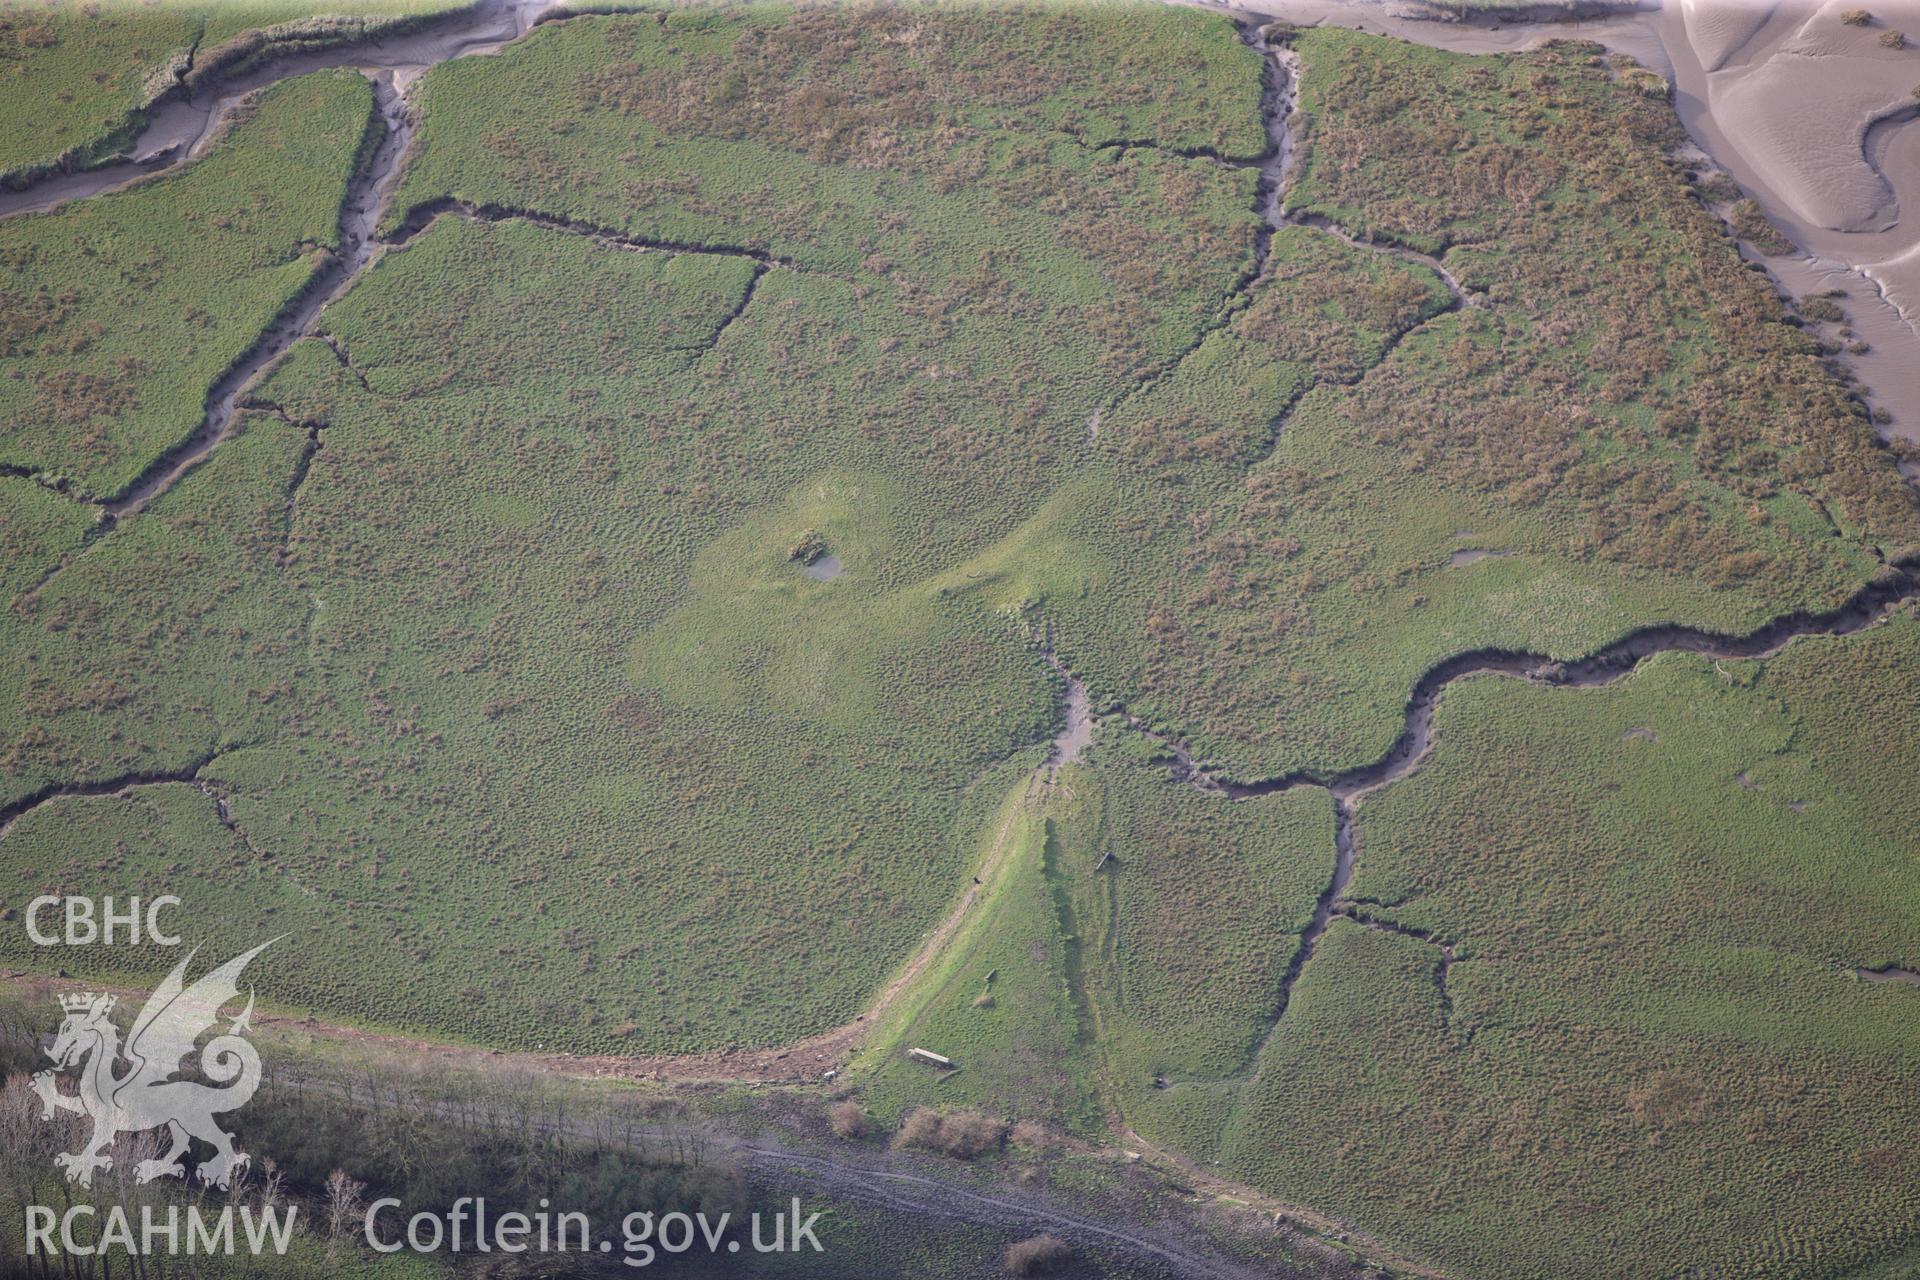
(1627, 347)
(963, 1135)
(848, 1119)
(1040, 1255)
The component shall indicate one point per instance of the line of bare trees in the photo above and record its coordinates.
(328, 1139)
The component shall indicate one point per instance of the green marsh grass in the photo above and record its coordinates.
(1652, 1050)
(122, 310)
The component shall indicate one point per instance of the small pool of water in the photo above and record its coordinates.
(825, 569)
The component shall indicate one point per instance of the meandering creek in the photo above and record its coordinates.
(180, 128)
(1745, 100)
(358, 217)
(1277, 105)
(1605, 666)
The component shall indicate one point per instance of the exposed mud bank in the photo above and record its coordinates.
(184, 121)
(1892, 973)
(358, 216)
(1815, 121)
(1545, 11)
(1077, 733)
(1784, 98)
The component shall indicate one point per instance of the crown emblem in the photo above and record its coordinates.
(146, 1096)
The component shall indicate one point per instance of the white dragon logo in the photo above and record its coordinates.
(147, 1096)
